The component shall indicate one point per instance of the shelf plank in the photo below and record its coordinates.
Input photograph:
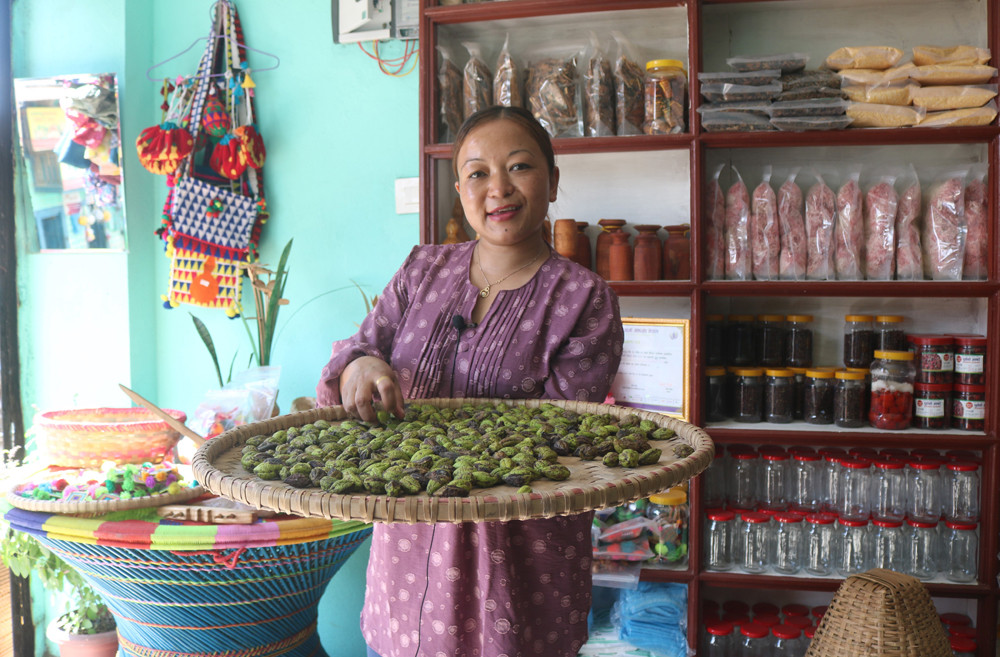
(807, 583)
(489, 11)
(652, 288)
(590, 145)
(849, 137)
(800, 433)
(931, 289)
(666, 575)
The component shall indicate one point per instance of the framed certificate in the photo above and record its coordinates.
(653, 374)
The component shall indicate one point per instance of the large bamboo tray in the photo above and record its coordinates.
(591, 485)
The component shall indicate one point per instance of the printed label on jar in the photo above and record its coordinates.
(969, 363)
(929, 408)
(970, 410)
(937, 361)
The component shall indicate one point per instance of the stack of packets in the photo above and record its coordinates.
(111, 482)
(772, 92)
(624, 538)
(939, 87)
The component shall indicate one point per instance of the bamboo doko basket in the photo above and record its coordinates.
(880, 613)
(591, 485)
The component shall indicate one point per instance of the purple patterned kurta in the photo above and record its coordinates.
(487, 589)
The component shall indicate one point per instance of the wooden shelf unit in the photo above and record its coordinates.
(699, 147)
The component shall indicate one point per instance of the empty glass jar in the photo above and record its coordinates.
(960, 555)
(753, 542)
(788, 543)
(961, 492)
(852, 548)
(819, 543)
(887, 544)
(923, 491)
(922, 547)
(719, 525)
(889, 489)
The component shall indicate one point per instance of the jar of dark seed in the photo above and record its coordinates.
(934, 357)
(799, 341)
(715, 394)
(817, 398)
(798, 390)
(740, 332)
(859, 341)
(931, 405)
(849, 400)
(889, 333)
(868, 384)
(715, 340)
(970, 360)
(968, 410)
(770, 340)
(748, 395)
(779, 396)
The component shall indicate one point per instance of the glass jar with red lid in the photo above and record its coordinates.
(934, 357)
(892, 390)
(970, 359)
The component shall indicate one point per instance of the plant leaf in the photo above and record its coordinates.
(206, 337)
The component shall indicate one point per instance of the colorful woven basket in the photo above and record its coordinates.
(208, 590)
(87, 437)
(590, 486)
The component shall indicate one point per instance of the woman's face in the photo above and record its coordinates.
(504, 183)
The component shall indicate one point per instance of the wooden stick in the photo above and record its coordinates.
(174, 423)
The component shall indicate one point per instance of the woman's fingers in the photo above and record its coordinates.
(390, 394)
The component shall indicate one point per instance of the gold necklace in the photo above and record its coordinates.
(485, 292)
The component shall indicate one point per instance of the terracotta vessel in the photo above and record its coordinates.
(648, 265)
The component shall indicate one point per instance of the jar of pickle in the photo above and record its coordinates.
(849, 400)
(889, 333)
(817, 397)
(892, 390)
(931, 405)
(968, 410)
(665, 94)
(934, 357)
(799, 341)
(740, 332)
(859, 341)
(770, 340)
(748, 395)
(715, 340)
(970, 360)
(779, 396)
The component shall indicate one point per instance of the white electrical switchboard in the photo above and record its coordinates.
(374, 20)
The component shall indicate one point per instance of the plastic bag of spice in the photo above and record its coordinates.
(507, 79)
(976, 218)
(598, 93)
(628, 89)
(821, 217)
(794, 256)
(765, 240)
(450, 92)
(477, 82)
(945, 227)
(848, 238)
(739, 264)
(880, 205)
(714, 206)
(909, 255)
(553, 89)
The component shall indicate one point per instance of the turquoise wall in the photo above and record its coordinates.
(338, 133)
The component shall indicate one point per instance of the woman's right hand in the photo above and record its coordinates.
(363, 381)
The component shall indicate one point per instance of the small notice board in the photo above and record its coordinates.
(653, 374)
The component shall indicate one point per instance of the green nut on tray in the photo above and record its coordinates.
(449, 451)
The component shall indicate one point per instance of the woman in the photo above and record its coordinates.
(505, 317)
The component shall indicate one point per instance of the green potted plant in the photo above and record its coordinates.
(86, 628)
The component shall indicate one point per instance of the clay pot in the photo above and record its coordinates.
(620, 257)
(583, 255)
(648, 265)
(610, 226)
(677, 253)
(564, 238)
(104, 644)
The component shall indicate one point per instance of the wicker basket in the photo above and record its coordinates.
(87, 437)
(880, 613)
(591, 485)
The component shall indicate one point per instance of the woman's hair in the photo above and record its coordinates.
(518, 115)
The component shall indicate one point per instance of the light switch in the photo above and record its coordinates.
(407, 195)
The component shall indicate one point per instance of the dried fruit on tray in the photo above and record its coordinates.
(448, 452)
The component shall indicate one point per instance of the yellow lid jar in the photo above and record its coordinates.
(665, 97)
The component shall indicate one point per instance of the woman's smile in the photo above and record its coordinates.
(505, 213)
